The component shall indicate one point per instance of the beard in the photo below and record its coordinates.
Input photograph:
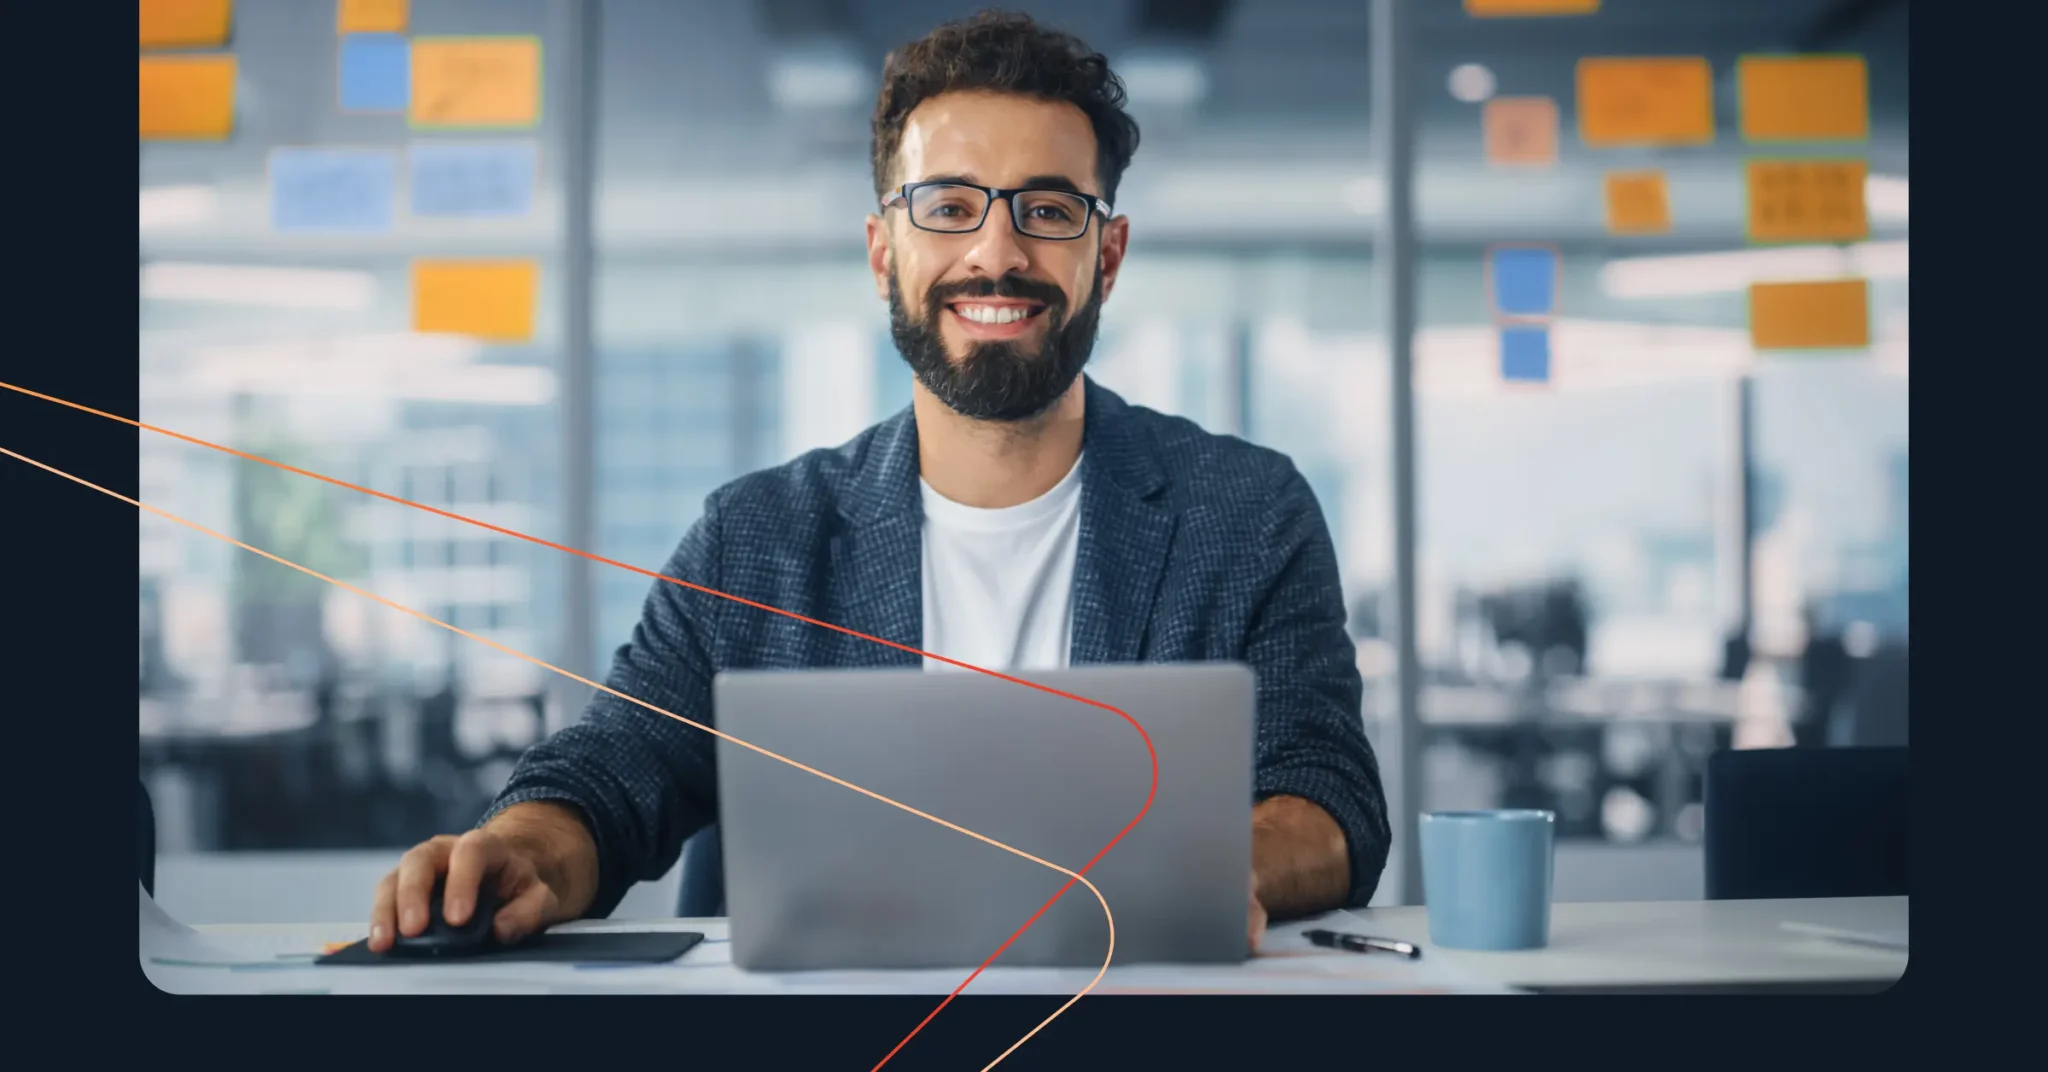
(998, 381)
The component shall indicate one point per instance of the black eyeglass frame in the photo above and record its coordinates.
(1009, 197)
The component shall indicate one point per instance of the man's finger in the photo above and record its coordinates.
(417, 870)
(383, 913)
(471, 863)
(524, 914)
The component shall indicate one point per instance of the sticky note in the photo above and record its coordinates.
(1804, 98)
(186, 23)
(1635, 101)
(1525, 354)
(1829, 315)
(323, 189)
(376, 72)
(1638, 203)
(1520, 131)
(490, 300)
(1483, 9)
(372, 16)
(187, 98)
(1522, 280)
(475, 82)
(474, 179)
(1807, 200)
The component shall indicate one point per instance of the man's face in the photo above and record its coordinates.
(995, 323)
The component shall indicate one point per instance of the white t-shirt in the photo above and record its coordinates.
(998, 584)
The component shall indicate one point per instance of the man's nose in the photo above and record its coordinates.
(996, 249)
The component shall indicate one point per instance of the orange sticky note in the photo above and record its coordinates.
(1657, 100)
(186, 23)
(473, 82)
(1807, 201)
(1518, 8)
(1829, 315)
(372, 16)
(487, 299)
(1804, 98)
(187, 98)
(1520, 131)
(1638, 202)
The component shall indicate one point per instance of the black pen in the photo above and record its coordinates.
(1359, 943)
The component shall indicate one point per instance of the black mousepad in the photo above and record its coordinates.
(614, 947)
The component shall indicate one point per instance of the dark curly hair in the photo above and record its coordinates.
(1005, 52)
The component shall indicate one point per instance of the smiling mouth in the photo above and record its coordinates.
(995, 313)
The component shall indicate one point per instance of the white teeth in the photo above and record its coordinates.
(992, 314)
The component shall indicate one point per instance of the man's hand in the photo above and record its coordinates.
(539, 859)
(1258, 915)
(1301, 864)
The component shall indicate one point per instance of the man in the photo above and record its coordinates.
(1015, 516)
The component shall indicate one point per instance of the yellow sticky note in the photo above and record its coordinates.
(1807, 201)
(1638, 202)
(372, 16)
(187, 98)
(1655, 100)
(487, 299)
(1520, 131)
(1829, 315)
(1518, 8)
(186, 23)
(1804, 98)
(475, 82)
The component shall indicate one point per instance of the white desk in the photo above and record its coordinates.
(1689, 946)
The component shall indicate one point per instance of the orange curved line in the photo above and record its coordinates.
(1151, 753)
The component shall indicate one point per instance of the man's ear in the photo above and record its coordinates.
(878, 255)
(1116, 235)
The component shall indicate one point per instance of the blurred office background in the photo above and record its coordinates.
(1584, 545)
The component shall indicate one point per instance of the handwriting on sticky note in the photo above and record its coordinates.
(1638, 202)
(186, 23)
(1804, 98)
(1807, 200)
(474, 179)
(1636, 101)
(372, 16)
(1525, 8)
(187, 98)
(1520, 131)
(490, 299)
(475, 81)
(1826, 315)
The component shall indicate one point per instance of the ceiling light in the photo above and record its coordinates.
(287, 288)
(1471, 83)
(1164, 81)
(816, 79)
(1732, 271)
(174, 206)
(1885, 197)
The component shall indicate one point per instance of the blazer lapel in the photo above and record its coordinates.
(877, 554)
(1125, 536)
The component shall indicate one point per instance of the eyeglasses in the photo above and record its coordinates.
(957, 208)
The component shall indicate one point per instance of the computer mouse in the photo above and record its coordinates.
(440, 939)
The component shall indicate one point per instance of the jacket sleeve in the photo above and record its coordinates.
(643, 782)
(1311, 739)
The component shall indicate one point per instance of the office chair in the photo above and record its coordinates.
(145, 840)
(702, 891)
(1805, 822)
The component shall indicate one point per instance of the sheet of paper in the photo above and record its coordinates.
(372, 16)
(186, 23)
(1807, 200)
(376, 73)
(1525, 354)
(490, 300)
(187, 98)
(333, 190)
(1522, 281)
(1827, 315)
(1520, 131)
(1638, 101)
(474, 179)
(475, 82)
(1638, 203)
(1484, 9)
(1804, 98)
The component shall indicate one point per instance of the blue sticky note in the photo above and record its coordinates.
(1525, 355)
(474, 179)
(314, 189)
(1524, 282)
(376, 72)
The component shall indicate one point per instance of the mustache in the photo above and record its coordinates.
(1011, 285)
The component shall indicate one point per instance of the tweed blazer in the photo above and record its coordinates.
(1193, 547)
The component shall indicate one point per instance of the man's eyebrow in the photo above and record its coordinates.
(1053, 182)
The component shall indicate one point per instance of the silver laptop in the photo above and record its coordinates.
(820, 877)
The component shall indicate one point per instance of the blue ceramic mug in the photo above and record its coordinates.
(1486, 878)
